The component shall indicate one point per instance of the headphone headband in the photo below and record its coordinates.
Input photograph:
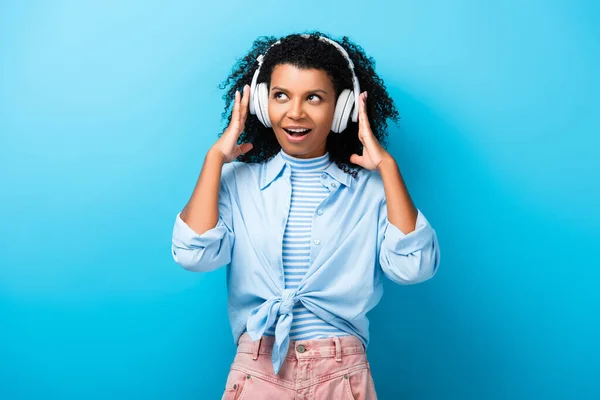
(355, 84)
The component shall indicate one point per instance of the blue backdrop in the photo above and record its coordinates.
(107, 110)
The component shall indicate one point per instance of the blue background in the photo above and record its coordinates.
(107, 110)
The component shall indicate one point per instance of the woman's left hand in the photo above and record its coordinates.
(373, 152)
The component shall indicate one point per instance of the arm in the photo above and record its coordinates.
(409, 257)
(409, 251)
(203, 236)
(201, 213)
(400, 210)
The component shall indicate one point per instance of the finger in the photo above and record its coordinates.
(361, 106)
(242, 149)
(236, 108)
(362, 112)
(245, 147)
(234, 123)
(235, 114)
(244, 105)
(356, 159)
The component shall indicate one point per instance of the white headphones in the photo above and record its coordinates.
(259, 95)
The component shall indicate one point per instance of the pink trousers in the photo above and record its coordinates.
(333, 368)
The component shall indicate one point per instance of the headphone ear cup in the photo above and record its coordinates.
(343, 109)
(262, 104)
(252, 102)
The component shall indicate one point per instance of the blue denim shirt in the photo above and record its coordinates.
(352, 244)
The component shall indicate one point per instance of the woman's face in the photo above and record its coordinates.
(301, 99)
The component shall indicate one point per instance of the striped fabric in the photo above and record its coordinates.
(307, 193)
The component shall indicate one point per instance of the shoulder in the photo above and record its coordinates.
(236, 171)
(369, 181)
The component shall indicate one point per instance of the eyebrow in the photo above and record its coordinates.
(310, 91)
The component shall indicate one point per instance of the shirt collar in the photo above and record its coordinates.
(273, 168)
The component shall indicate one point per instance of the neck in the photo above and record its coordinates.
(305, 164)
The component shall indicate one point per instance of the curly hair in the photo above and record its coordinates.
(308, 53)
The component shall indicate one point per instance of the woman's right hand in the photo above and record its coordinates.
(227, 143)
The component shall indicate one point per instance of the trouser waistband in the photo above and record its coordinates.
(302, 349)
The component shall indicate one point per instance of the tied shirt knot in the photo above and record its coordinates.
(263, 317)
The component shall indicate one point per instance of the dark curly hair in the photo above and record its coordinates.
(308, 53)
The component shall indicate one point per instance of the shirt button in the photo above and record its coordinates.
(316, 241)
(334, 185)
(320, 212)
(301, 348)
(324, 175)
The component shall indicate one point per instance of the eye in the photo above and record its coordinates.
(276, 95)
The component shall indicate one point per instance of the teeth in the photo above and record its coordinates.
(298, 130)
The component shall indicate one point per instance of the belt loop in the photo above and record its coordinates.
(256, 348)
(338, 349)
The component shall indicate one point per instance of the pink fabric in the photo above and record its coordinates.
(333, 368)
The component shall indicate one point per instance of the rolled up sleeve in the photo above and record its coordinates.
(408, 258)
(210, 250)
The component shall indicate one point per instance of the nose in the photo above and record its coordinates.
(296, 110)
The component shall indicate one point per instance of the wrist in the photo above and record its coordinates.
(215, 154)
(386, 162)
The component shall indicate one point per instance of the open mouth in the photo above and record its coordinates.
(297, 132)
(296, 135)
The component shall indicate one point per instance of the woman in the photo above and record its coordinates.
(301, 201)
